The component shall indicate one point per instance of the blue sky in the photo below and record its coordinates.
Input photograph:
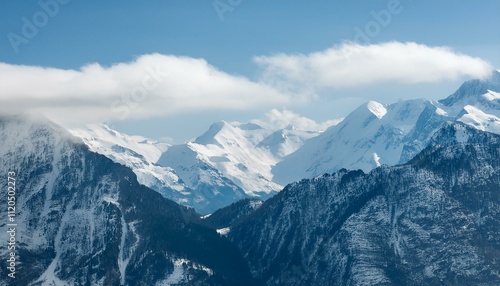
(110, 32)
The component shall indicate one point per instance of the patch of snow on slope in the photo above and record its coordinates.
(480, 120)
(224, 231)
(377, 109)
(441, 112)
(491, 95)
(376, 158)
(179, 274)
(256, 204)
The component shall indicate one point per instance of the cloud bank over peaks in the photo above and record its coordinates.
(151, 85)
(350, 64)
(155, 85)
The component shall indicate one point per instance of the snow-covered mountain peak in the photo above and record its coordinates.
(359, 117)
(138, 153)
(400, 114)
(32, 130)
(34, 122)
(375, 134)
(377, 109)
(368, 137)
(472, 91)
(243, 153)
(186, 179)
(100, 137)
(217, 129)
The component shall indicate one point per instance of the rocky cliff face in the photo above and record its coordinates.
(85, 220)
(431, 221)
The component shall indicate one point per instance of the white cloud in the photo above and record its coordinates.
(158, 85)
(351, 64)
(151, 85)
(276, 119)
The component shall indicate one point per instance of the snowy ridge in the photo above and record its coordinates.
(236, 157)
(100, 137)
(375, 135)
(210, 189)
(477, 118)
(242, 153)
(136, 152)
(368, 137)
(229, 162)
(141, 155)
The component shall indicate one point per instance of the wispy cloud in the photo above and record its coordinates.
(152, 85)
(351, 64)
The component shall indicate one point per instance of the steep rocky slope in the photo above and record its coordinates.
(432, 221)
(84, 220)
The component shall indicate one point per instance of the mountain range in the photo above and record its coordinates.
(83, 219)
(229, 162)
(375, 134)
(431, 221)
(232, 161)
(400, 194)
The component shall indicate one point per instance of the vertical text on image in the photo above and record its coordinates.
(12, 259)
